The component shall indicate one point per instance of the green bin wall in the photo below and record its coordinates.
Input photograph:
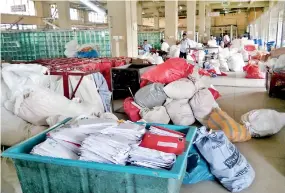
(31, 45)
(153, 38)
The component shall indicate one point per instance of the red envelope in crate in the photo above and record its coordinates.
(165, 144)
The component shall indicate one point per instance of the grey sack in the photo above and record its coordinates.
(227, 164)
(151, 95)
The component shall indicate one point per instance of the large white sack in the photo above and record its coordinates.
(224, 53)
(202, 104)
(4, 92)
(236, 43)
(235, 62)
(179, 111)
(271, 62)
(87, 92)
(15, 130)
(216, 65)
(263, 122)
(224, 65)
(174, 51)
(35, 105)
(18, 75)
(244, 55)
(180, 89)
(155, 115)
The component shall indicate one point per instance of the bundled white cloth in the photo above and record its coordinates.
(150, 158)
(53, 148)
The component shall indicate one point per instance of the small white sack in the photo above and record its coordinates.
(155, 115)
(180, 111)
(180, 89)
(263, 122)
(224, 65)
(202, 104)
(280, 63)
(71, 49)
(235, 62)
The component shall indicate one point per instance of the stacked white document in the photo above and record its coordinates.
(127, 129)
(157, 131)
(150, 158)
(105, 149)
(53, 148)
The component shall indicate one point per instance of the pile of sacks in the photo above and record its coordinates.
(30, 98)
(182, 100)
(151, 58)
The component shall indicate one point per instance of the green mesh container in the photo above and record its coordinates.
(153, 38)
(32, 45)
(40, 174)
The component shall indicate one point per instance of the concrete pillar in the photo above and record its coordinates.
(191, 19)
(139, 13)
(208, 22)
(42, 9)
(156, 19)
(171, 21)
(86, 16)
(122, 17)
(64, 21)
(201, 20)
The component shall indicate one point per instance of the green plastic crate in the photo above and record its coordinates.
(34, 45)
(40, 174)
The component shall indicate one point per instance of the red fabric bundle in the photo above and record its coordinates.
(169, 71)
(165, 144)
(253, 72)
(215, 93)
(132, 111)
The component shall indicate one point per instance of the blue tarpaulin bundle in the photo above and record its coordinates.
(197, 168)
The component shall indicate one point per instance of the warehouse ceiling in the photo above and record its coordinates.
(222, 6)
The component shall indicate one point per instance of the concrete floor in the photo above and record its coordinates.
(267, 155)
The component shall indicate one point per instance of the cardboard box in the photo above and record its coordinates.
(139, 61)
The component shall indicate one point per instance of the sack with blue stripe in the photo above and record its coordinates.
(227, 164)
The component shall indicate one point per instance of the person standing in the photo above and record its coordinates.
(227, 39)
(185, 44)
(146, 46)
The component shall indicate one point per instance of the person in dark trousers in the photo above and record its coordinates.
(185, 44)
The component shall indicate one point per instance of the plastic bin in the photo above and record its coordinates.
(269, 45)
(40, 174)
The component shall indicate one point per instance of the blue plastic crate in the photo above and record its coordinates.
(40, 174)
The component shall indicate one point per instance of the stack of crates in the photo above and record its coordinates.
(32, 45)
(153, 38)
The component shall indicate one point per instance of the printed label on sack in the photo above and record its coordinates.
(167, 144)
(243, 171)
(232, 160)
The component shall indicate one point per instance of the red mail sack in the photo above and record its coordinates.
(163, 143)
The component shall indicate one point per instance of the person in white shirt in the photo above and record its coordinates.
(212, 42)
(164, 49)
(185, 44)
(164, 45)
(227, 39)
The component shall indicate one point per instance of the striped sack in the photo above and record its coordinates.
(220, 120)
